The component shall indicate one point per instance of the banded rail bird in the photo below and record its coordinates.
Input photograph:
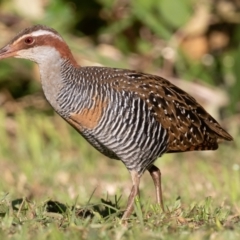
(126, 115)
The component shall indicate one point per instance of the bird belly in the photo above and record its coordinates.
(121, 128)
(131, 135)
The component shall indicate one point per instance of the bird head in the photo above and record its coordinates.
(39, 44)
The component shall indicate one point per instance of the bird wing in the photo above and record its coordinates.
(189, 126)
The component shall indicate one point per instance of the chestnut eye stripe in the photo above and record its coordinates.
(37, 34)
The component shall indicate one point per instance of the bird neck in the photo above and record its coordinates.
(52, 77)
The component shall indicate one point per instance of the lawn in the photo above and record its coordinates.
(54, 185)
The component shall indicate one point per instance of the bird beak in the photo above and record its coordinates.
(7, 52)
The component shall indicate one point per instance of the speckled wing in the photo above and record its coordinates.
(189, 126)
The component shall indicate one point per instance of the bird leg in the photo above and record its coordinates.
(133, 194)
(156, 176)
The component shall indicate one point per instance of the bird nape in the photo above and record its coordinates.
(126, 115)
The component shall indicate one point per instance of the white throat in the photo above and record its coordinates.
(49, 61)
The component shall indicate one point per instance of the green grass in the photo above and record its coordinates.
(55, 186)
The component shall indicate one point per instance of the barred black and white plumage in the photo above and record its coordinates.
(126, 115)
(127, 130)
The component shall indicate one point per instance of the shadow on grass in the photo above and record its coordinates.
(104, 209)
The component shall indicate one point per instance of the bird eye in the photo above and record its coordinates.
(29, 40)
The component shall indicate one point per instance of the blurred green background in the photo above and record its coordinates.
(193, 43)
